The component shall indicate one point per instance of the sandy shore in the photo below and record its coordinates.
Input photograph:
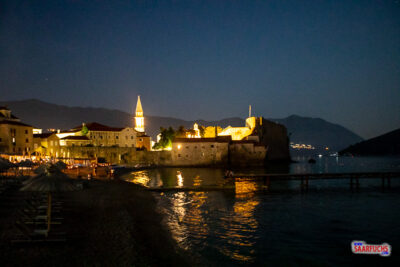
(110, 223)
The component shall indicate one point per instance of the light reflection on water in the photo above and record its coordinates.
(188, 215)
(244, 225)
(176, 177)
(238, 227)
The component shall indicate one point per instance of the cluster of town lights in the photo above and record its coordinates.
(302, 146)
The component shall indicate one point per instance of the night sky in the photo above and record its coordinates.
(338, 60)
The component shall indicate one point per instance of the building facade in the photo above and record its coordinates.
(99, 135)
(15, 137)
(143, 142)
(75, 140)
(46, 145)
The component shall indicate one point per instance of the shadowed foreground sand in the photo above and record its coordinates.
(108, 224)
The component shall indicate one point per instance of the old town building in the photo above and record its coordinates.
(15, 137)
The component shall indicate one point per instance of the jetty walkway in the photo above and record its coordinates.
(304, 179)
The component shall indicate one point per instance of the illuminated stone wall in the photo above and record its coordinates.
(210, 153)
(237, 133)
(209, 132)
(247, 154)
(199, 153)
(240, 133)
(118, 155)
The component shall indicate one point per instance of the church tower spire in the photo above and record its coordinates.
(139, 119)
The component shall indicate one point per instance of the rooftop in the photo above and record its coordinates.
(11, 116)
(244, 142)
(43, 135)
(76, 137)
(14, 123)
(219, 139)
(94, 126)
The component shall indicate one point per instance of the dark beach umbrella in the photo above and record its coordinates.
(5, 164)
(61, 165)
(52, 180)
(26, 163)
(43, 168)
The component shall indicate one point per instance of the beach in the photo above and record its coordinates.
(108, 223)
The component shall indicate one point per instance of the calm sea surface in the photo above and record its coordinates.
(243, 225)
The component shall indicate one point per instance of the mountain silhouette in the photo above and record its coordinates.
(386, 144)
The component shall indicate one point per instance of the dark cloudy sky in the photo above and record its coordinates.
(338, 60)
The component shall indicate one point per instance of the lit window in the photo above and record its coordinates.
(179, 146)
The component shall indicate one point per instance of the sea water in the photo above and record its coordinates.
(282, 226)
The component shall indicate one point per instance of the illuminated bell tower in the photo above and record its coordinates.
(139, 119)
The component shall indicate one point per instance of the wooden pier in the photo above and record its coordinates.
(305, 178)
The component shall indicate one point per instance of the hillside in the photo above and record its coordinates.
(386, 144)
(316, 132)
